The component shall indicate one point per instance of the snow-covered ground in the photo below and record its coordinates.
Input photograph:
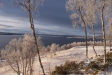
(49, 62)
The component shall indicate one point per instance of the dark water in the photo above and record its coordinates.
(4, 39)
(46, 39)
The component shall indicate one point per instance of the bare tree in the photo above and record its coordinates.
(105, 14)
(91, 10)
(31, 6)
(77, 7)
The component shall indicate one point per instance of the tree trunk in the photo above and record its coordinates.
(35, 39)
(110, 39)
(85, 27)
(94, 40)
(30, 59)
(110, 44)
(103, 31)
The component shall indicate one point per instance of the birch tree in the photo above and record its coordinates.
(0, 51)
(109, 31)
(91, 12)
(105, 7)
(31, 6)
(77, 8)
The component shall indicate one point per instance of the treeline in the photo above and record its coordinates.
(26, 44)
(57, 47)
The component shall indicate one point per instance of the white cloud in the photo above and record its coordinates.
(18, 24)
(2, 27)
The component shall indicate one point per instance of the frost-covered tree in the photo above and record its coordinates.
(0, 51)
(68, 46)
(63, 47)
(73, 44)
(109, 32)
(53, 48)
(105, 9)
(48, 48)
(91, 12)
(20, 54)
(28, 53)
(77, 8)
(11, 54)
(40, 43)
(32, 6)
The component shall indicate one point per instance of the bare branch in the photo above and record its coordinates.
(23, 4)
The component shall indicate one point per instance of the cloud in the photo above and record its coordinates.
(4, 26)
(18, 24)
(52, 19)
(58, 30)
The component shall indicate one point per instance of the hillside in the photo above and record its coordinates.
(49, 61)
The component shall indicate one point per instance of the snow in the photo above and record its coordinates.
(49, 62)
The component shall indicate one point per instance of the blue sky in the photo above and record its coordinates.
(52, 18)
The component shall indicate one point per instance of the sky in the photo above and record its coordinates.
(51, 18)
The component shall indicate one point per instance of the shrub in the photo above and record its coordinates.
(68, 67)
(94, 65)
(109, 58)
(59, 70)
